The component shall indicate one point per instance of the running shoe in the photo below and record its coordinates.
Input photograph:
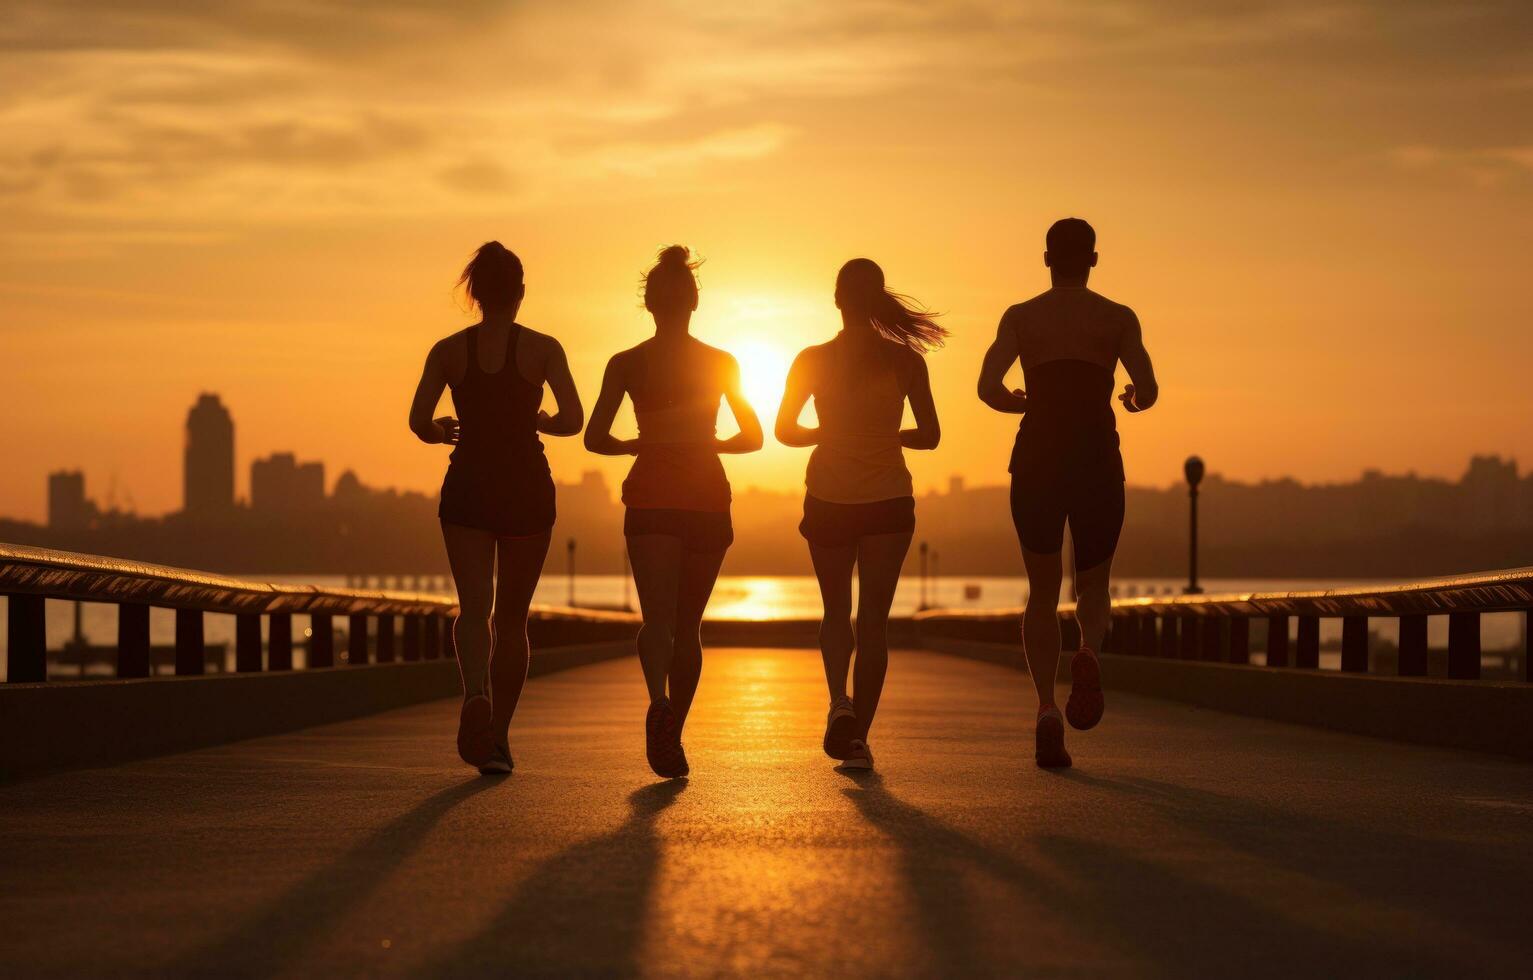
(500, 763)
(859, 758)
(1084, 709)
(840, 728)
(1050, 752)
(662, 743)
(476, 738)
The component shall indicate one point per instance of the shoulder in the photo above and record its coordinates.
(1018, 313)
(538, 340)
(451, 349)
(1114, 309)
(622, 361)
(909, 364)
(718, 358)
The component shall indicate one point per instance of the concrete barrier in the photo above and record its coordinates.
(96, 723)
(1483, 716)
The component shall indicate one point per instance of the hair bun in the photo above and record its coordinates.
(675, 255)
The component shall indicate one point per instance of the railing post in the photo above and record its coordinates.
(356, 640)
(26, 635)
(431, 647)
(385, 639)
(279, 641)
(1189, 637)
(1213, 639)
(1527, 644)
(1168, 637)
(1464, 646)
(1307, 655)
(132, 640)
(1147, 635)
(191, 653)
(1277, 641)
(412, 637)
(1413, 645)
(321, 640)
(1240, 640)
(1354, 644)
(247, 643)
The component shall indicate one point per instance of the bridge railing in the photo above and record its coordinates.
(1219, 628)
(382, 626)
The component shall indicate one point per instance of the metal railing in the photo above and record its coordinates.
(382, 626)
(1218, 628)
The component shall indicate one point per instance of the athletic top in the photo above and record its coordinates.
(1069, 339)
(677, 467)
(498, 418)
(498, 478)
(860, 402)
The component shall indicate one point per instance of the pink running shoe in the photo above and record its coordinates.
(1084, 709)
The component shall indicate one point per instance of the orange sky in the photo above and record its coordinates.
(1323, 213)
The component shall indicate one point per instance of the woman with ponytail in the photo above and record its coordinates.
(677, 496)
(859, 509)
(497, 506)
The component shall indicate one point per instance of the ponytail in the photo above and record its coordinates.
(894, 316)
(493, 277)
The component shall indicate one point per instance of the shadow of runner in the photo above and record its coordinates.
(1150, 914)
(275, 937)
(581, 912)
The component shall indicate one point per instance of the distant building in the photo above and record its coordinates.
(1490, 490)
(281, 484)
(68, 510)
(209, 469)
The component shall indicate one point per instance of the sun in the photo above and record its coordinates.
(763, 371)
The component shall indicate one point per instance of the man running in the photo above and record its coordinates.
(1066, 465)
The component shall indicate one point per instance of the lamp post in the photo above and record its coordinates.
(1193, 470)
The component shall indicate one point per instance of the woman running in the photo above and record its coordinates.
(677, 497)
(859, 507)
(497, 504)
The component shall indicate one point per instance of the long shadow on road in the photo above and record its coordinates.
(582, 912)
(1147, 912)
(275, 937)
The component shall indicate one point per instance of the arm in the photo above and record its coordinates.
(599, 438)
(427, 393)
(1142, 391)
(795, 396)
(927, 432)
(571, 414)
(1003, 353)
(749, 438)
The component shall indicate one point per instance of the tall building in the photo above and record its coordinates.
(209, 472)
(281, 484)
(68, 510)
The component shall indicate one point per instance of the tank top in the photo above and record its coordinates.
(860, 404)
(677, 467)
(498, 418)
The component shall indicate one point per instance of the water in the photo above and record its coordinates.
(764, 597)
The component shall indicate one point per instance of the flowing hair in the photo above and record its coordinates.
(493, 277)
(860, 287)
(672, 283)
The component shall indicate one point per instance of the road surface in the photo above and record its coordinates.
(1186, 842)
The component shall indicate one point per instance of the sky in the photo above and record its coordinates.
(1322, 212)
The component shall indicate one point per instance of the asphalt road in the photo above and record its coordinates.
(1185, 842)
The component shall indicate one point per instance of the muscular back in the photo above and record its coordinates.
(1071, 323)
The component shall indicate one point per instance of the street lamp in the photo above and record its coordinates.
(1193, 470)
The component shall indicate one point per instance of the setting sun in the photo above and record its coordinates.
(763, 370)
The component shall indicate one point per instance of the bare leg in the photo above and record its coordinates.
(1040, 624)
(879, 558)
(656, 561)
(520, 562)
(699, 570)
(1094, 603)
(471, 554)
(833, 567)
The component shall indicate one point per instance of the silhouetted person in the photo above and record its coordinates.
(677, 496)
(1066, 465)
(859, 507)
(497, 506)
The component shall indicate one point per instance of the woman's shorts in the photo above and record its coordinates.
(838, 525)
(508, 508)
(699, 530)
(1093, 508)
